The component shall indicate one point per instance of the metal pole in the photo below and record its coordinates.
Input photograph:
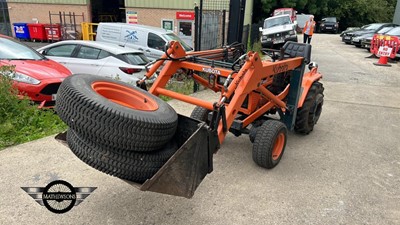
(223, 26)
(200, 23)
(76, 36)
(196, 28)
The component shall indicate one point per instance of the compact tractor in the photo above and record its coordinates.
(130, 133)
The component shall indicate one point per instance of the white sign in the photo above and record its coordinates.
(384, 51)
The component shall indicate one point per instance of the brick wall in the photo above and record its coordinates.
(25, 12)
(153, 17)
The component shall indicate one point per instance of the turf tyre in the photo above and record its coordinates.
(111, 123)
(128, 165)
(269, 143)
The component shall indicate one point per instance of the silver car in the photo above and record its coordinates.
(98, 58)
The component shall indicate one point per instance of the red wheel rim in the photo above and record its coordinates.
(125, 96)
(278, 146)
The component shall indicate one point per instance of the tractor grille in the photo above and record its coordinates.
(50, 89)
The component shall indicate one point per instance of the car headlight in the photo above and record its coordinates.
(20, 77)
(269, 39)
(322, 25)
(291, 32)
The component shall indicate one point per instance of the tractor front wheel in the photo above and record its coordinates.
(200, 113)
(269, 143)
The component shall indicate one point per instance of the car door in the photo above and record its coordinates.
(86, 60)
(60, 53)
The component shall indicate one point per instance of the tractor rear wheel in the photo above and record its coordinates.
(200, 113)
(115, 114)
(309, 113)
(269, 143)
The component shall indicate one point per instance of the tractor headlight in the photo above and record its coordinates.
(312, 65)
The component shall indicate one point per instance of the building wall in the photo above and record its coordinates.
(27, 12)
(173, 4)
(69, 2)
(153, 16)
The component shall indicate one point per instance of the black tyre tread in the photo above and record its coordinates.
(264, 143)
(109, 123)
(304, 123)
(128, 165)
(200, 113)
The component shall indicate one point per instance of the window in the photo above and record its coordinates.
(61, 51)
(86, 52)
(155, 41)
(135, 58)
(103, 54)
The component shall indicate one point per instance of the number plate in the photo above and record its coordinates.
(328, 28)
(279, 41)
(347, 38)
(53, 97)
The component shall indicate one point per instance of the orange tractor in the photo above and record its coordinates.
(130, 133)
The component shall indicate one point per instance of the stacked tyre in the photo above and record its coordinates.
(115, 127)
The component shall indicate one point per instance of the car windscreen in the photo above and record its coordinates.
(282, 12)
(394, 32)
(173, 37)
(374, 26)
(273, 22)
(135, 58)
(12, 50)
(384, 30)
(330, 19)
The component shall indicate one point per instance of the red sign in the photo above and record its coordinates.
(185, 15)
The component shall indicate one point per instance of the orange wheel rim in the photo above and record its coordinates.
(125, 96)
(278, 146)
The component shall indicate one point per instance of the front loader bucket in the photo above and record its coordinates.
(184, 171)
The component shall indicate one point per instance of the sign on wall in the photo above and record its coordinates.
(185, 15)
(131, 17)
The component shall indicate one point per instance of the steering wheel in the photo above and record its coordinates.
(274, 54)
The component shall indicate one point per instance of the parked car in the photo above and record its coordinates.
(98, 58)
(277, 30)
(371, 28)
(329, 24)
(366, 43)
(349, 29)
(286, 11)
(357, 41)
(34, 75)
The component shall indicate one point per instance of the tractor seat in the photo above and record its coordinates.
(294, 49)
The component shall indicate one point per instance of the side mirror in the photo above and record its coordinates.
(260, 29)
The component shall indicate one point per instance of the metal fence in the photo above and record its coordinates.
(211, 24)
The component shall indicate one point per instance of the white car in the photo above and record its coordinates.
(98, 58)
